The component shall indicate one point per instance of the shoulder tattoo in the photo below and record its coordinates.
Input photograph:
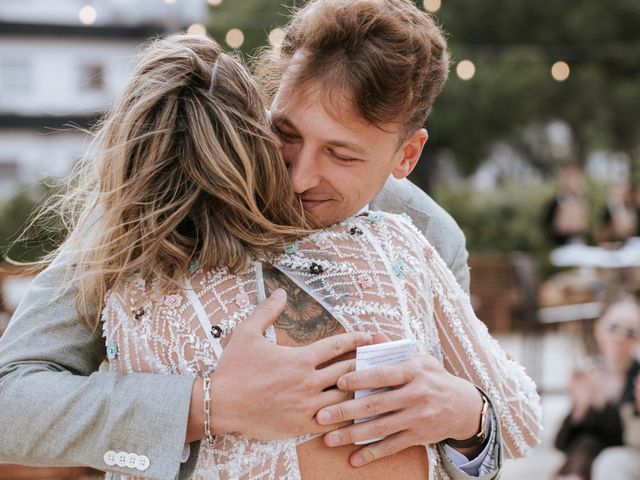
(304, 320)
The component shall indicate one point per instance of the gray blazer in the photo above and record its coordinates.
(58, 409)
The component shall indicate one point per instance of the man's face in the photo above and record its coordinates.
(338, 166)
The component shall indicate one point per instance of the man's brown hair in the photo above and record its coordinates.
(387, 55)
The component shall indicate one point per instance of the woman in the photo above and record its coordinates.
(188, 218)
(601, 392)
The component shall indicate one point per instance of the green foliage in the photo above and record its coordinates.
(18, 242)
(511, 218)
(256, 18)
(514, 43)
(502, 220)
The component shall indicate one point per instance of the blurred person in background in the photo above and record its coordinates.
(601, 393)
(619, 220)
(636, 204)
(567, 216)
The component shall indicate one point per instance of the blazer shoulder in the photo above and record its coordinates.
(402, 196)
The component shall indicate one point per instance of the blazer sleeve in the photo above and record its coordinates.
(437, 225)
(58, 409)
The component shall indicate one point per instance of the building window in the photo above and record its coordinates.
(15, 75)
(92, 77)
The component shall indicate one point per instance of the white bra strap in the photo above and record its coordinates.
(203, 318)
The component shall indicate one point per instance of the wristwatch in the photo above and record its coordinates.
(484, 430)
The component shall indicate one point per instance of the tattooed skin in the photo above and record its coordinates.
(304, 320)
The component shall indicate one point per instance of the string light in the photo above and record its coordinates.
(466, 69)
(88, 15)
(432, 5)
(276, 37)
(196, 29)
(560, 71)
(234, 38)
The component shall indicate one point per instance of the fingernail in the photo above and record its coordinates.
(324, 416)
(357, 460)
(333, 439)
(342, 383)
(279, 294)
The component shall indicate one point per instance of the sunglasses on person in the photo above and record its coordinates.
(627, 332)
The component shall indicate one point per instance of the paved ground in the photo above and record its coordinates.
(555, 357)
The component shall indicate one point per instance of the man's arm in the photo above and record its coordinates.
(309, 322)
(59, 410)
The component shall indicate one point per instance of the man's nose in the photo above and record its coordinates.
(302, 165)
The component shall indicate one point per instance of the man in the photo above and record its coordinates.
(149, 416)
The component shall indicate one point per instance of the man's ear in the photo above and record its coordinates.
(410, 151)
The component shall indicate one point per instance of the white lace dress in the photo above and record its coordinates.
(373, 272)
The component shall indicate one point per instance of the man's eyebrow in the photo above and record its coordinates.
(351, 146)
(282, 120)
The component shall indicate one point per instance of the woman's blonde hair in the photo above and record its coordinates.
(184, 168)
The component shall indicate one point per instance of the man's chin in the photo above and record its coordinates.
(323, 214)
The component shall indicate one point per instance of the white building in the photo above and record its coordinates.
(62, 63)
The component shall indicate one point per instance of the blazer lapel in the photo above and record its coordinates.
(398, 197)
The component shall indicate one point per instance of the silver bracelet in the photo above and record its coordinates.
(207, 410)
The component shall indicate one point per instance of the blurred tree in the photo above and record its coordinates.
(19, 243)
(513, 44)
(255, 18)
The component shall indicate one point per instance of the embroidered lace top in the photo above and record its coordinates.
(373, 272)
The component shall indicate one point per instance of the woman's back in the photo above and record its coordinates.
(373, 272)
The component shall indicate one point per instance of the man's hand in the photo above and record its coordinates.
(427, 406)
(267, 391)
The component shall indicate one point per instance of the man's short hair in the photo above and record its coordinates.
(388, 56)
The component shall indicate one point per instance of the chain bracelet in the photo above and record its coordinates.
(207, 410)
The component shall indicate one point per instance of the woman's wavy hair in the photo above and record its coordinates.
(184, 168)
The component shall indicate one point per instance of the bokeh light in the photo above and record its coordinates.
(234, 38)
(276, 36)
(88, 15)
(560, 71)
(465, 69)
(196, 29)
(214, 3)
(432, 5)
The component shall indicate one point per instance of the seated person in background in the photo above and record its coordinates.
(623, 462)
(600, 392)
(567, 215)
(619, 220)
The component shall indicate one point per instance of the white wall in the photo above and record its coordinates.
(109, 12)
(42, 76)
(38, 155)
(54, 69)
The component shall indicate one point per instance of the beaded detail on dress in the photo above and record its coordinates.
(372, 272)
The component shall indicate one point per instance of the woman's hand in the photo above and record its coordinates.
(583, 393)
